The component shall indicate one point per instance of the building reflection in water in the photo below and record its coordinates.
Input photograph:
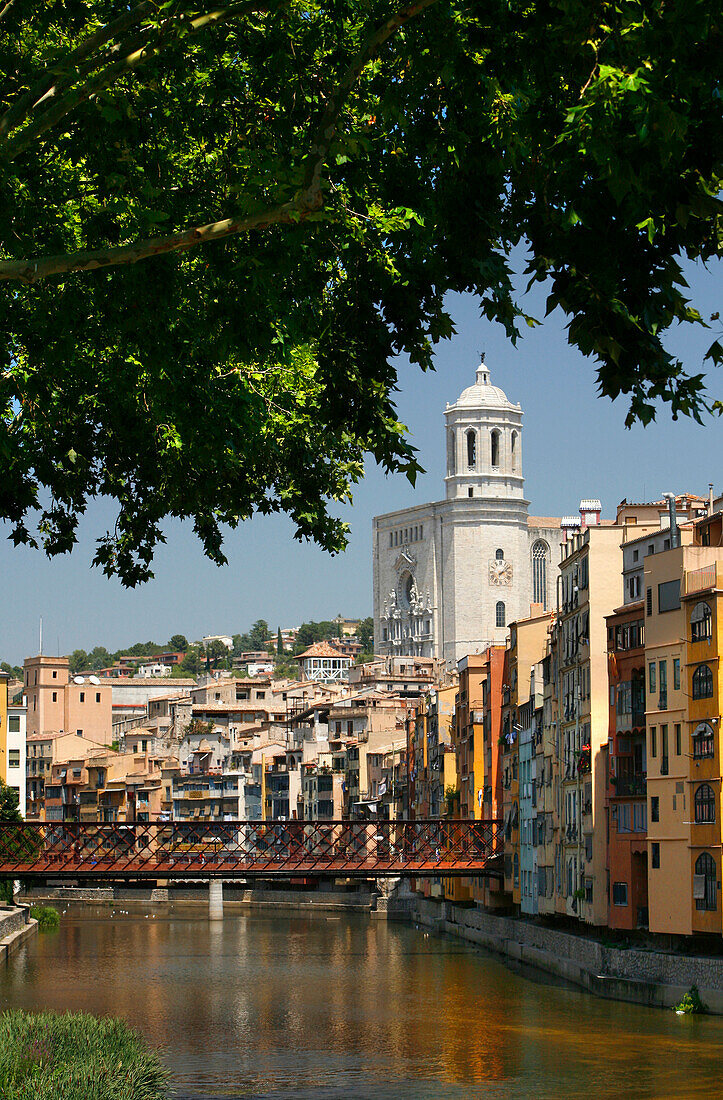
(344, 1006)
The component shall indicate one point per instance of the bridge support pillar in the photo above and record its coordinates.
(215, 899)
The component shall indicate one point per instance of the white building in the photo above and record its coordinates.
(450, 576)
(16, 752)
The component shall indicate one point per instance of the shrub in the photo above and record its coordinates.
(47, 917)
(44, 1056)
(691, 1005)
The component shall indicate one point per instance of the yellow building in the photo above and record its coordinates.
(683, 692)
(702, 591)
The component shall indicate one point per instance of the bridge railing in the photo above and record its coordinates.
(250, 848)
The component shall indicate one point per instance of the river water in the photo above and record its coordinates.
(344, 1007)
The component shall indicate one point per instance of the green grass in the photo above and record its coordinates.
(47, 917)
(44, 1056)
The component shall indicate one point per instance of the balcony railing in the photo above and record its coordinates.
(627, 785)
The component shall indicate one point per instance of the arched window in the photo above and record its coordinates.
(495, 447)
(701, 622)
(705, 889)
(499, 555)
(703, 740)
(513, 450)
(702, 682)
(500, 614)
(540, 553)
(451, 452)
(471, 448)
(704, 805)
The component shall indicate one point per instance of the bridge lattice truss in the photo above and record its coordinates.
(251, 849)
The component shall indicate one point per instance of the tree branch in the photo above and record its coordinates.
(52, 84)
(309, 199)
(30, 271)
(326, 130)
(51, 81)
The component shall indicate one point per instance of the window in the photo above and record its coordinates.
(703, 744)
(516, 866)
(677, 739)
(620, 893)
(391, 538)
(82, 696)
(704, 805)
(651, 677)
(648, 601)
(13, 758)
(702, 682)
(97, 696)
(653, 742)
(701, 622)
(499, 555)
(654, 808)
(663, 679)
(470, 492)
(655, 855)
(664, 749)
(669, 596)
(676, 673)
(495, 448)
(539, 573)
(55, 675)
(471, 448)
(500, 614)
(513, 449)
(55, 696)
(705, 889)
(14, 723)
(635, 555)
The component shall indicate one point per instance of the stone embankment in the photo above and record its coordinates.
(16, 926)
(655, 978)
(359, 900)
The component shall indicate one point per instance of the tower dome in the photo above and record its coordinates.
(484, 443)
(482, 394)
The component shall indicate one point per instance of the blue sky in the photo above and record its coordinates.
(574, 445)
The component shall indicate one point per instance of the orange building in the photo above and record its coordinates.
(57, 704)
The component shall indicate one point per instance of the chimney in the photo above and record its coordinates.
(590, 513)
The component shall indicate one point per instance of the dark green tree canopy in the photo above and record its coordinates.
(219, 226)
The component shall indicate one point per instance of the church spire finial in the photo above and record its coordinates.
(483, 374)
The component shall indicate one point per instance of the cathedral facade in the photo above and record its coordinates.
(450, 576)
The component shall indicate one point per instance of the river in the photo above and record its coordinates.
(320, 1008)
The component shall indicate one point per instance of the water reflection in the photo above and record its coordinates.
(344, 1007)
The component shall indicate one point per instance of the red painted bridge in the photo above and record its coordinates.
(251, 849)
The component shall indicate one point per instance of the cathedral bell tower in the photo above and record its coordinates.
(484, 443)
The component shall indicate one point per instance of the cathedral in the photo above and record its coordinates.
(450, 576)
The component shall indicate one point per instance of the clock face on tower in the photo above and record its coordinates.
(500, 572)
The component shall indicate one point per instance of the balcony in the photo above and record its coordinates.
(626, 785)
(698, 580)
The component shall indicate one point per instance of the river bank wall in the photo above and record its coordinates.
(654, 978)
(16, 926)
(360, 900)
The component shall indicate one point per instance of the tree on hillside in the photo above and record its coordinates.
(99, 657)
(279, 643)
(216, 651)
(178, 642)
(365, 634)
(337, 168)
(259, 634)
(78, 661)
(311, 632)
(191, 664)
(12, 670)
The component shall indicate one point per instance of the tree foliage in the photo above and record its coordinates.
(219, 227)
(365, 634)
(9, 804)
